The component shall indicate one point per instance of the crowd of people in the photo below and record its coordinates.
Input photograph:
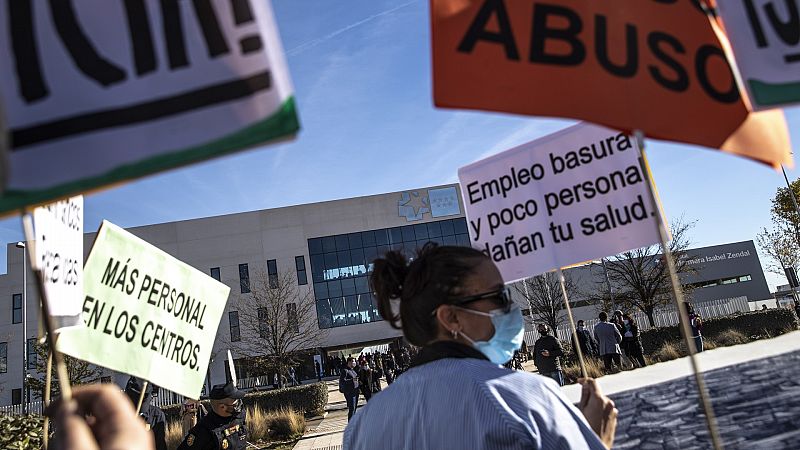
(610, 340)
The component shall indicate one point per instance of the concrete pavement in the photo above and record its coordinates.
(753, 387)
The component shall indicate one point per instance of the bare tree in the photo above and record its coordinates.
(641, 278)
(544, 296)
(277, 320)
(780, 246)
(78, 370)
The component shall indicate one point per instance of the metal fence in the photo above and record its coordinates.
(33, 408)
(663, 317)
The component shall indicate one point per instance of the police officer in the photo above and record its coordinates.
(153, 416)
(223, 427)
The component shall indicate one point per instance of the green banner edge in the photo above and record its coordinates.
(282, 123)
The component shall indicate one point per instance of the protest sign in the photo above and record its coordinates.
(654, 66)
(573, 196)
(146, 313)
(765, 38)
(58, 231)
(100, 92)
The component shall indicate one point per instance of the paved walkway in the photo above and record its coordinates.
(754, 388)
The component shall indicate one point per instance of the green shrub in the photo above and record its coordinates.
(756, 324)
(21, 432)
(306, 399)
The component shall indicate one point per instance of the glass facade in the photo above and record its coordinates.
(244, 278)
(30, 347)
(3, 357)
(341, 264)
(233, 322)
(300, 266)
(16, 308)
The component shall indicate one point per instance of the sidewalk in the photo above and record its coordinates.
(328, 434)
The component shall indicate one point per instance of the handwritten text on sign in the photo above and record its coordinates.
(100, 92)
(146, 313)
(570, 197)
(58, 229)
(765, 36)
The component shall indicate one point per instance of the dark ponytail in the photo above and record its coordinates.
(433, 278)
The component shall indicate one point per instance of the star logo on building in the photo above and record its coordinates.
(412, 206)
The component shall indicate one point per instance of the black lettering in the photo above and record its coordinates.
(207, 17)
(110, 274)
(477, 30)
(144, 54)
(701, 66)
(80, 48)
(145, 341)
(145, 286)
(173, 34)
(131, 333)
(788, 31)
(569, 35)
(631, 65)
(681, 80)
(26, 54)
(755, 23)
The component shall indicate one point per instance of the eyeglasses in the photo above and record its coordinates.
(501, 297)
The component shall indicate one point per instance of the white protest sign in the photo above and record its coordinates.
(573, 196)
(58, 230)
(146, 313)
(98, 92)
(765, 38)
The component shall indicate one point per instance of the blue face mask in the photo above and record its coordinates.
(509, 330)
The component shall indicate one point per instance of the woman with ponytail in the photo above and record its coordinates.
(451, 302)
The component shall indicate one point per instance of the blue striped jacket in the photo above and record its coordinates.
(469, 404)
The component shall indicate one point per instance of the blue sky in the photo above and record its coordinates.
(361, 71)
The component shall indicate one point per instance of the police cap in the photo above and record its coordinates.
(220, 391)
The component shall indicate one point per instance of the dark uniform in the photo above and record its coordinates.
(152, 415)
(214, 432)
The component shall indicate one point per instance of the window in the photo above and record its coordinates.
(340, 265)
(3, 357)
(300, 266)
(745, 278)
(16, 396)
(233, 321)
(272, 272)
(291, 317)
(263, 323)
(31, 350)
(730, 280)
(16, 308)
(215, 273)
(244, 278)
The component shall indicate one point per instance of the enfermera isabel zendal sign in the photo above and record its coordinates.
(98, 92)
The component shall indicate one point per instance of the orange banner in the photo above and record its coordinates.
(651, 65)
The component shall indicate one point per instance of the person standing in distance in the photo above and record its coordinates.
(223, 428)
(453, 304)
(348, 385)
(153, 416)
(608, 339)
(547, 355)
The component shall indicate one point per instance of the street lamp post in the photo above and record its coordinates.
(24, 330)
